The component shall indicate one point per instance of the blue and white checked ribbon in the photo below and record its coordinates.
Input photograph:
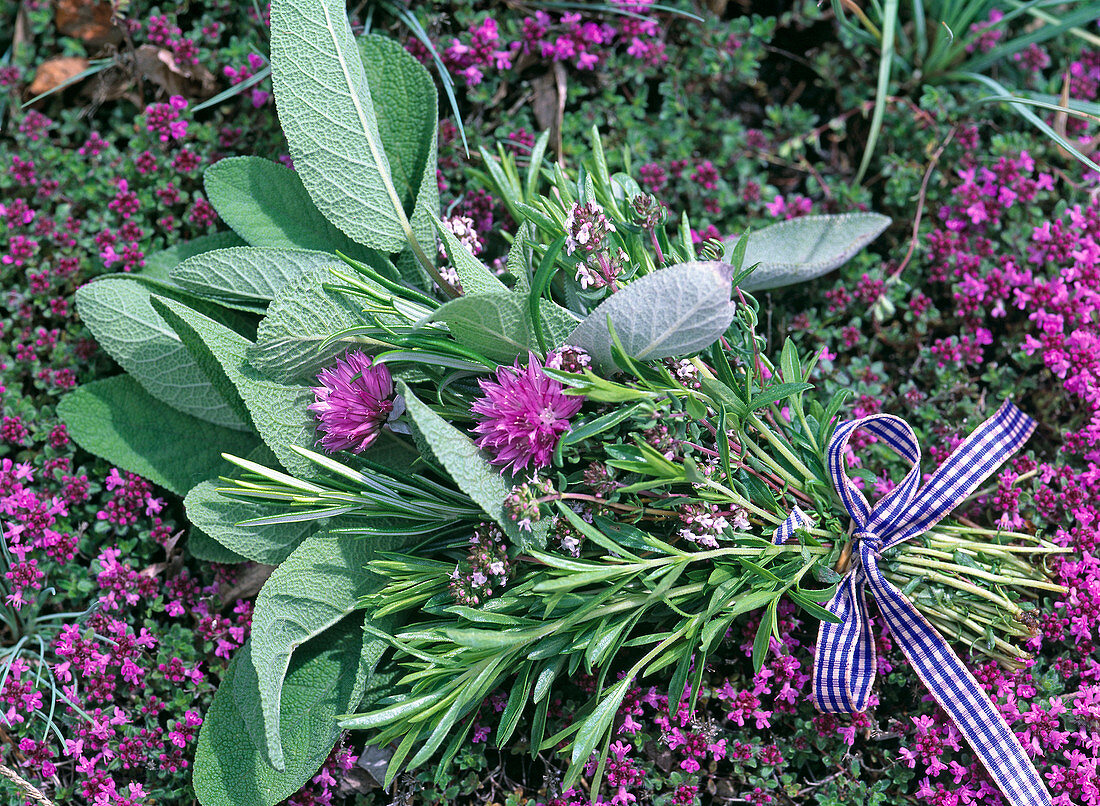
(844, 666)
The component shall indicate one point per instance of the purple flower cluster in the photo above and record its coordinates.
(354, 400)
(522, 415)
(569, 38)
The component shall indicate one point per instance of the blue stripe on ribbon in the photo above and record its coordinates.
(844, 665)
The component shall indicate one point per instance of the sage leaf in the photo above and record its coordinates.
(519, 259)
(331, 125)
(249, 273)
(498, 326)
(303, 315)
(470, 469)
(319, 584)
(203, 547)
(327, 676)
(406, 105)
(805, 248)
(266, 204)
(159, 264)
(115, 418)
(120, 315)
(278, 410)
(671, 312)
(217, 516)
(494, 325)
(299, 359)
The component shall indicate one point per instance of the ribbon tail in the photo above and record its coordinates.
(795, 521)
(960, 695)
(844, 660)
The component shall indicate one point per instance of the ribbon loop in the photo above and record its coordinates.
(844, 663)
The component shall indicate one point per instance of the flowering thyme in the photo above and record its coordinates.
(487, 565)
(525, 503)
(587, 232)
(568, 358)
(705, 524)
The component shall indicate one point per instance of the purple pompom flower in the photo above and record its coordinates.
(353, 403)
(522, 415)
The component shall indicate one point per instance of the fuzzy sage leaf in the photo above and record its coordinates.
(805, 248)
(671, 312)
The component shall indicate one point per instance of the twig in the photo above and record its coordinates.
(25, 786)
(920, 202)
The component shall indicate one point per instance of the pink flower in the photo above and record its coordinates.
(523, 414)
(353, 403)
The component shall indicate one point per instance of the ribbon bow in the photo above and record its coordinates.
(844, 664)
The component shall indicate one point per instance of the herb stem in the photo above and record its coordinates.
(981, 573)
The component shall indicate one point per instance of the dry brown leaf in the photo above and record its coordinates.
(548, 103)
(91, 21)
(160, 67)
(22, 31)
(52, 73)
(252, 577)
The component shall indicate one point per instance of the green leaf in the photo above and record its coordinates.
(776, 393)
(407, 107)
(250, 273)
(302, 317)
(332, 125)
(596, 725)
(470, 470)
(159, 264)
(119, 313)
(278, 410)
(805, 248)
(671, 312)
(326, 677)
(267, 205)
(118, 420)
(218, 517)
(203, 547)
(763, 635)
(314, 588)
(518, 259)
(493, 325)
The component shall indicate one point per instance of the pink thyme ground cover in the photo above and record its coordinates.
(1002, 298)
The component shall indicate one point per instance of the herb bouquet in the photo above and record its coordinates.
(473, 479)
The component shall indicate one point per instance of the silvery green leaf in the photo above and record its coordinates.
(327, 677)
(406, 105)
(328, 114)
(119, 313)
(246, 272)
(319, 584)
(495, 325)
(671, 312)
(518, 259)
(217, 516)
(291, 358)
(159, 264)
(498, 326)
(277, 409)
(115, 418)
(303, 315)
(266, 204)
(805, 248)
